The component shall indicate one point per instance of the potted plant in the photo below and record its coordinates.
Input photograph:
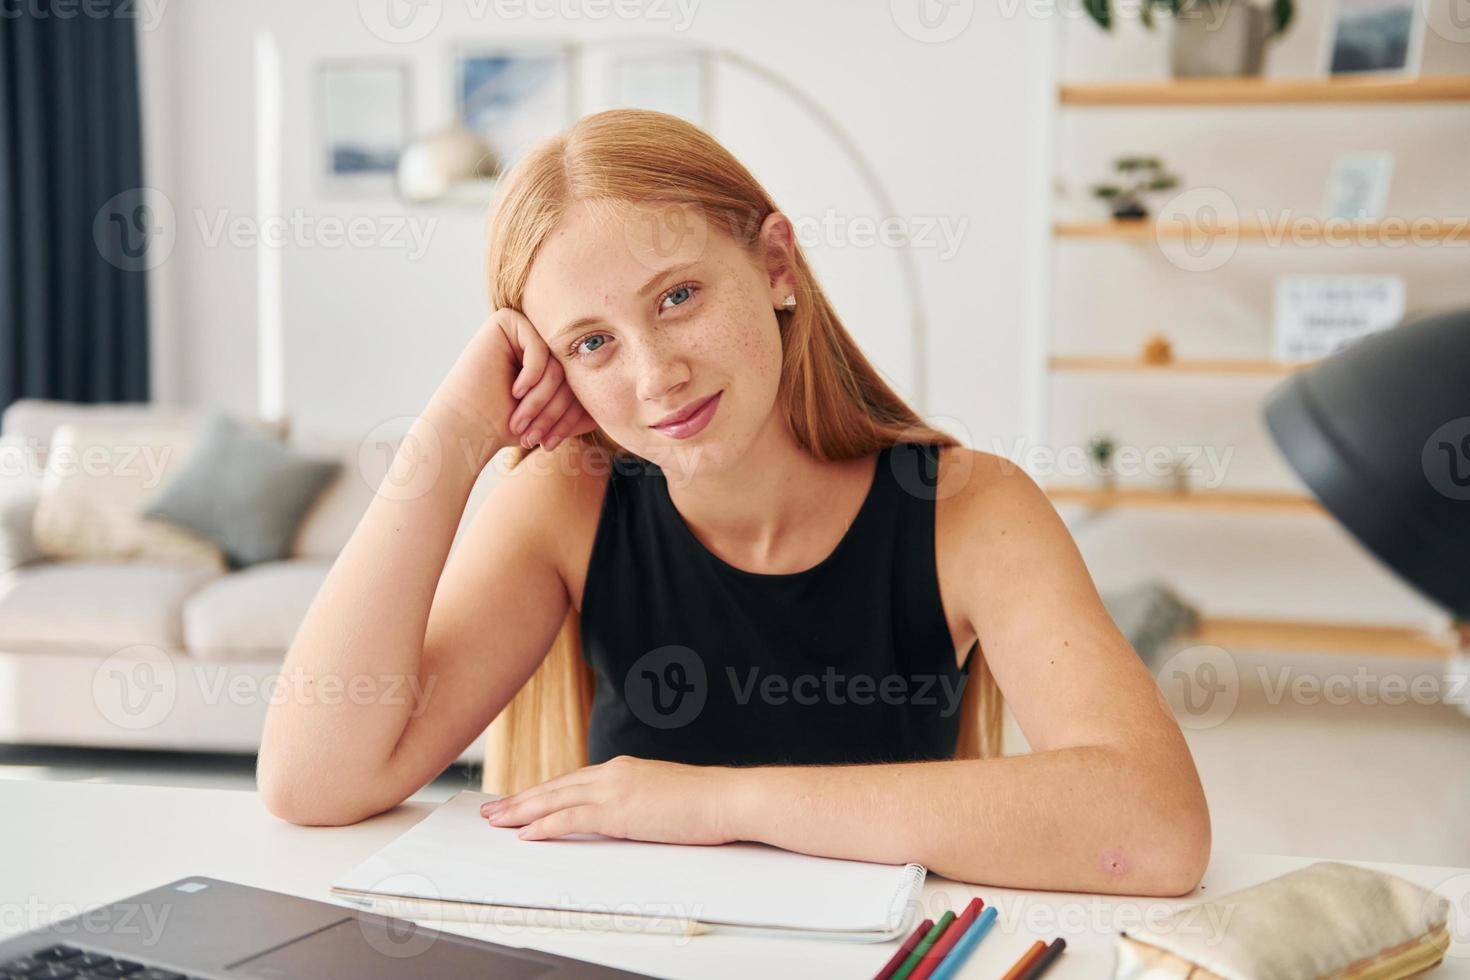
(1101, 449)
(1211, 37)
(1141, 176)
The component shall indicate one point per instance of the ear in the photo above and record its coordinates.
(777, 242)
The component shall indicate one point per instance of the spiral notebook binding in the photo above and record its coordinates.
(898, 906)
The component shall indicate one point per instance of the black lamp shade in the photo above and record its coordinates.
(1380, 433)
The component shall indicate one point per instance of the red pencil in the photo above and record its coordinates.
(1024, 963)
(946, 942)
(903, 951)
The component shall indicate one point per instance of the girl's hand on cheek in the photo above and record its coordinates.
(636, 799)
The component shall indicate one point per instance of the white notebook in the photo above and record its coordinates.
(454, 865)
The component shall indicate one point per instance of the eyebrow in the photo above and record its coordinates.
(643, 290)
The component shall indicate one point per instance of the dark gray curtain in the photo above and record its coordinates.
(73, 209)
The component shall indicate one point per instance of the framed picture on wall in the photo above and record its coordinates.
(362, 123)
(676, 82)
(514, 96)
(1374, 37)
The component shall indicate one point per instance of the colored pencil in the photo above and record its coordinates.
(1046, 959)
(891, 966)
(1024, 963)
(946, 942)
(962, 950)
(924, 946)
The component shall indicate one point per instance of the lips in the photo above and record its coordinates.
(684, 413)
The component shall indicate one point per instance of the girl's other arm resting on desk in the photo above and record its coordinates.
(1107, 801)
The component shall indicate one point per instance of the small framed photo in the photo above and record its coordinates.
(1374, 37)
(1357, 188)
(363, 123)
(679, 83)
(514, 96)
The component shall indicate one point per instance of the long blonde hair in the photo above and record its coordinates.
(837, 404)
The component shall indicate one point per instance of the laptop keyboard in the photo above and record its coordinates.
(67, 962)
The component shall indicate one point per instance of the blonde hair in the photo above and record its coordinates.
(837, 404)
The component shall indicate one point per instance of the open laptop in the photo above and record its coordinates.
(205, 927)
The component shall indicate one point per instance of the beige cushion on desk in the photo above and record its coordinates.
(1325, 920)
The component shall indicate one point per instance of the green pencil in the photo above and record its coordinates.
(924, 946)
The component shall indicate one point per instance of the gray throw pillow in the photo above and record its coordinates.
(242, 490)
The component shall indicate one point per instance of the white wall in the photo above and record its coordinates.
(369, 332)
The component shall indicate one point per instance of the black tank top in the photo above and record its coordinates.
(700, 662)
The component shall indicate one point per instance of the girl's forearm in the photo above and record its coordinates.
(1093, 818)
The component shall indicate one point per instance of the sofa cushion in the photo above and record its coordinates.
(20, 490)
(99, 476)
(252, 614)
(99, 605)
(244, 491)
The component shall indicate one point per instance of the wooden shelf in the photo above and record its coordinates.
(1241, 501)
(1198, 366)
(1267, 91)
(1296, 231)
(1272, 634)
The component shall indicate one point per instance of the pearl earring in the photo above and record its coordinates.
(789, 303)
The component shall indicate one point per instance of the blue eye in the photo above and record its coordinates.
(578, 349)
(684, 292)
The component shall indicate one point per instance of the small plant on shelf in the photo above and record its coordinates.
(1141, 175)
(1101, 449)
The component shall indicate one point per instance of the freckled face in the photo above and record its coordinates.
(704, 324)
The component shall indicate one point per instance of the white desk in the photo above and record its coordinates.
(67, 847)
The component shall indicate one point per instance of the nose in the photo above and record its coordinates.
(661, 373)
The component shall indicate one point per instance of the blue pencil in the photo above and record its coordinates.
(965, 946)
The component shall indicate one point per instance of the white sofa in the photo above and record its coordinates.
(149, 653)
